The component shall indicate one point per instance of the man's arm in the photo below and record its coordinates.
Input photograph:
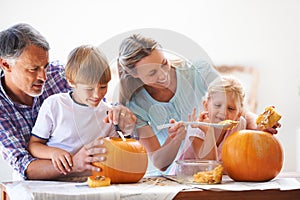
(43, 169)
(14, 151)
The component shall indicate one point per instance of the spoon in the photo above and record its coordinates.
(226, 124)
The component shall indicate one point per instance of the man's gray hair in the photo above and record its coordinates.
(15, 39)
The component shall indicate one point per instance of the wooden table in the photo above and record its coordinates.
(272, 194)
(239, 195)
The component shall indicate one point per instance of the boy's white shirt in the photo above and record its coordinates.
(68, 125)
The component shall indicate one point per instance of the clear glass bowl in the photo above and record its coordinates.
(199, 171)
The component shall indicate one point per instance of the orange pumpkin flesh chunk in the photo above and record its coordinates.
(98, 181)
(268, 118)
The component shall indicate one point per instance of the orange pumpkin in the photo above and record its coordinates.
(250, 155)
(126, 161)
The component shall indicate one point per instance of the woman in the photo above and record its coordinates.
(157, 91)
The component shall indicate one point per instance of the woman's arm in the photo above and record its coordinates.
(162, 156)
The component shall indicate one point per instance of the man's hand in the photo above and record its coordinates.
(92, 152)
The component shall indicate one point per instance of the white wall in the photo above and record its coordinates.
(263, 34)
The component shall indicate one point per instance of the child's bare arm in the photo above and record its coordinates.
(61, 159)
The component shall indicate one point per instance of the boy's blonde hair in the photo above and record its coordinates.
(87, 65)
(228, 84)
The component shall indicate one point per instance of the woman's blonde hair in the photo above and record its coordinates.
(87, 65)
(228, 84)
(132, 49)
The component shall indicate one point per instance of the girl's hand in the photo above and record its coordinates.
(192, 117)
(202, 117)
(251, 124)
(272, 130)
(177, 131)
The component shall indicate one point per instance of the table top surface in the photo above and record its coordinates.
(287, 184)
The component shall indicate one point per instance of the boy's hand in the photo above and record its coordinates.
(62, 161)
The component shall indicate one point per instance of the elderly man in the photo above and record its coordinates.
(27, 78)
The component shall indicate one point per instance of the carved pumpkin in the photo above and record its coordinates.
(250, 155)
(126, 161)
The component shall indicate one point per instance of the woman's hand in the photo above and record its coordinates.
(123, 117)
(92, 152)
(177, 131)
